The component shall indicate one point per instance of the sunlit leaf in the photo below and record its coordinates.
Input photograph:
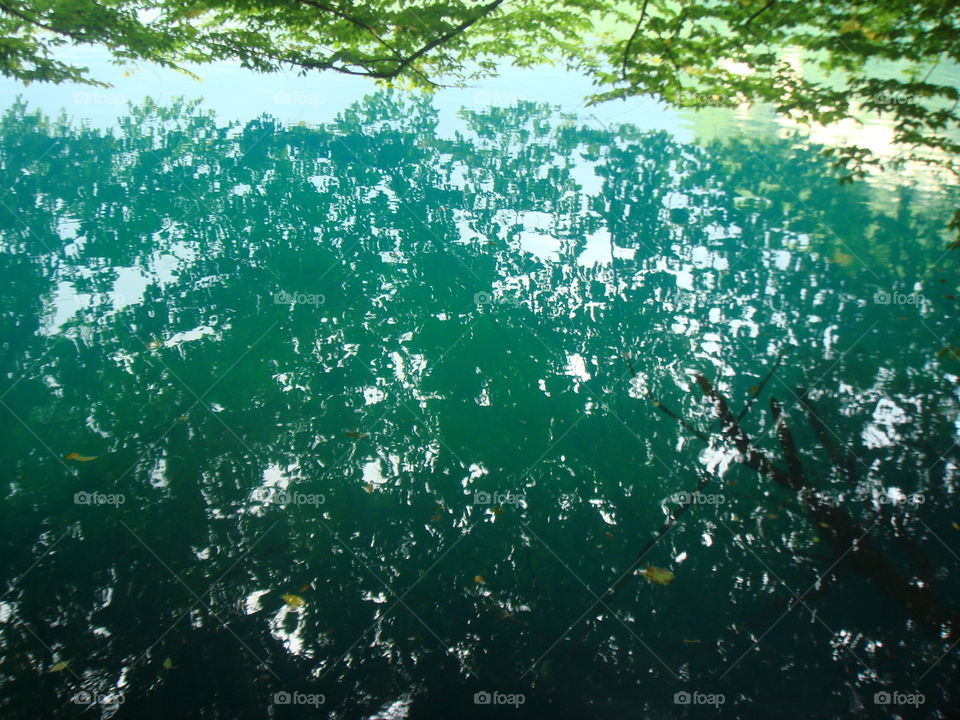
(658, 575)
(80, 458)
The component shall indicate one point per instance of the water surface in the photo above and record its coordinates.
(407, 379)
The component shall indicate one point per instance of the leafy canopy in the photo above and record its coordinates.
(816, 61)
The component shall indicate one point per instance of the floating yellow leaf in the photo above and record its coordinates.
(154, 344)
(168, 664)
(658, 575)
(956, 525)
(304, 587)
(850, 25)
(690, 642)
(60, 666)
(841, 258)
(479, 579)
(293, 601)
(81, 458)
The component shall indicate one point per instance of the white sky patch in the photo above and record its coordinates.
(717, 460)
(609, 517)
(274, 482)
(882, 432)
(251, 603)
(597, 249)
(190, 335)
(65, 303)
(292, 639)
(373, 472)
(684, 279)
(158, 474)
(705, 258)
(129, 287)
(577, 367)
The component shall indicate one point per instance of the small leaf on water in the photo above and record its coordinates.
(168, 664)
(658, 575)
(81, 458)
(293, 601)
(479, 579)
(304, 587)
(60, 666)
(842, 259)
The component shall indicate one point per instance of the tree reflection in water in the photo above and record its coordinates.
(297, 354)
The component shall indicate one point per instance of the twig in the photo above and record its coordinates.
(797, 475)
(762, 385)
(664, 529)
(633, 36)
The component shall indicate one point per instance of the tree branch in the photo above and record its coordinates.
(633, 36)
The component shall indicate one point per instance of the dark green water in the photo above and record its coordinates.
(299, 356)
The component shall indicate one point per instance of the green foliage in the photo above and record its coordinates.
(815, 61)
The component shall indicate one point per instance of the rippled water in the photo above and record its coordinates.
(363, 417)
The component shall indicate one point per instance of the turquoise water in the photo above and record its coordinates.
(358, 419)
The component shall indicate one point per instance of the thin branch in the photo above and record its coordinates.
(758, 12)
(484, 11)
(43, 26)
(762, 385)
(397, 57)
(633, 36)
